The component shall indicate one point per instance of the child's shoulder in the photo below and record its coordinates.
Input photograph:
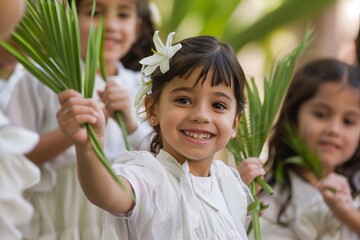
(220, 166)
(143, 157)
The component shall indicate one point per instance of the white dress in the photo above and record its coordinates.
(308, 216)
(16, 174)
(171, 204)
(62, 211)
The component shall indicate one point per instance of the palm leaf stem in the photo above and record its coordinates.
(257, 122)
(118, 115)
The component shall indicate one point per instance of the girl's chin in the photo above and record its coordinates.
(111, 59)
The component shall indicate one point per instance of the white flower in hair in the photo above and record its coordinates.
(161, 56)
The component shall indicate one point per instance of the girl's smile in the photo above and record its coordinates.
(197, 134)
(111, 42)
(329, 146)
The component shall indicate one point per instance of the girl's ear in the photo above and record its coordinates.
(151, 111)
(236, 125)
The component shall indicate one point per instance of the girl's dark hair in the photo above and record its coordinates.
(211, 56)
(142, 47)
(305, 84)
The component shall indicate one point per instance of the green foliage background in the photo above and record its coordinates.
(222, 18)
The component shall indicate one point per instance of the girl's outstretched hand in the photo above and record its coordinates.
(251, 168)
(117, 98)
(336, 192)
(76, 111)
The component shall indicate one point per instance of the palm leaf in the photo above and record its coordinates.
(49, 37)
(257, 121)
(305, 158)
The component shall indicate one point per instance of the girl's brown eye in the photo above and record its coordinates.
(123, 15)
(219, 106)
(319, 114)
(349, 122)
(183, 100)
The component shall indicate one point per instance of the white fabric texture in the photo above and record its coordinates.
(16, 174)
(173, 204)
(62, 211)
(8, 86)
(308, 216)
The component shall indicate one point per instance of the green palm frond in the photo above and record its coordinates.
(258, 120)
(305, 158)
(49, 48)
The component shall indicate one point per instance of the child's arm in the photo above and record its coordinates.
(251, 168)
(50, 145)
(96, 182)
(337, 195)
(116, 98)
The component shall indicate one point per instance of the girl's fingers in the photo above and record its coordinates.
(66, 95)
(79, 114)
(250, 176)
(250, 169)
(336, 191)
(114, 93)
(77, 105)
(249, 165)
(335, 183)
(337, 199)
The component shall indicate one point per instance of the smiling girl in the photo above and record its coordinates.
(194, 106)
(323, 102)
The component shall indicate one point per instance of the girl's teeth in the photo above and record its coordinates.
(197, 135)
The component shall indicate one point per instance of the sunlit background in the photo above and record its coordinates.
(263, 30)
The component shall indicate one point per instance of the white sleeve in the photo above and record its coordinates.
(33, 105)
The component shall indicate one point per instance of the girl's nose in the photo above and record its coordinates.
(200, 114)
(110, 22)
(334, 126)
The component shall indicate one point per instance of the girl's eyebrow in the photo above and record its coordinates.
(221, 94)
(182, 89)
(189, 89)
(353, 113)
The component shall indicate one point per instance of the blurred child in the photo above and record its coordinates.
(16, 172)
(195, 105)
(61, 209)
(323, 102)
